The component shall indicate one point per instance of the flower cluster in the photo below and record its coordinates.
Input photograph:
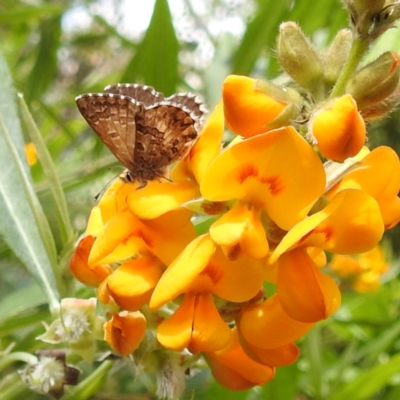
(362, 271)
(187, 259)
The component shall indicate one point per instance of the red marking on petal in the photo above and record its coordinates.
(213, 208)
(247, 171)
(250, 171)
(275, 184)
(328, 232)
(213, 272)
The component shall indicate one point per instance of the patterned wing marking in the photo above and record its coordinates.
(112, 117)
(146, 95)
(190, 103)
(164, 134)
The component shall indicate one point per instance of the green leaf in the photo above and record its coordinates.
(22, 222)
(284, 385)
(156, 59)
(49, 170)
(260, 33)
(24, 14)
(368, 383)
(20, 301)
(45, 67)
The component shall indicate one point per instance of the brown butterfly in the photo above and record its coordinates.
(144, 130)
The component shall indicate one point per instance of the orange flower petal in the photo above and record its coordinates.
(210, 332)
(158, 198)
(305, 293)
(235, 280)
(125, 331)
(234, 369)
(339, 130)
(183, 271)
(175, 332)
(267, 326)
(248, 111)
(350, 223)
(254, 171)
(132, 283)
(241, 225)
(80, 269)
(277, 357)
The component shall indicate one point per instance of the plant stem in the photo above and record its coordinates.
(357, 51)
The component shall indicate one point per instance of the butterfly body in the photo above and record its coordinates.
(144, 130)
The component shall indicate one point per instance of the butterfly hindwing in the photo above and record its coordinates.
(164, 134)
(190, 103)
(143, 94)
(112, 117)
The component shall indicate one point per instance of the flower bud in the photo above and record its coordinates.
(299, 58)
(381, 109)
(336, 56)
(125, 331)
(338, 129)
(248, 109)
(376, 81)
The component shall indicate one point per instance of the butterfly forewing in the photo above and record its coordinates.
(143, 94)
(112, 117)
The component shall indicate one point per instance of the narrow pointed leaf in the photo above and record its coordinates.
(22, 222)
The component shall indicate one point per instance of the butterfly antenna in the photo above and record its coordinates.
(105, 187)
(164, 177)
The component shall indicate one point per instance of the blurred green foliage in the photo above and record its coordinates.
(57, 50)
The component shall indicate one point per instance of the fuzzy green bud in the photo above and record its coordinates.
(299, 59)
(368, 6)
(376, 81)
(336, 56)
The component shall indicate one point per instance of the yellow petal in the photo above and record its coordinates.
(175, 332)
(235, 280)
(209, 144)
(132, 283)
(170, 234)
(95, 223)
(158, 198)
(116, 230)
(114, 199)
(241, 225)
(277, 171)
(210, 332)
(350, 223)
(183, 271)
